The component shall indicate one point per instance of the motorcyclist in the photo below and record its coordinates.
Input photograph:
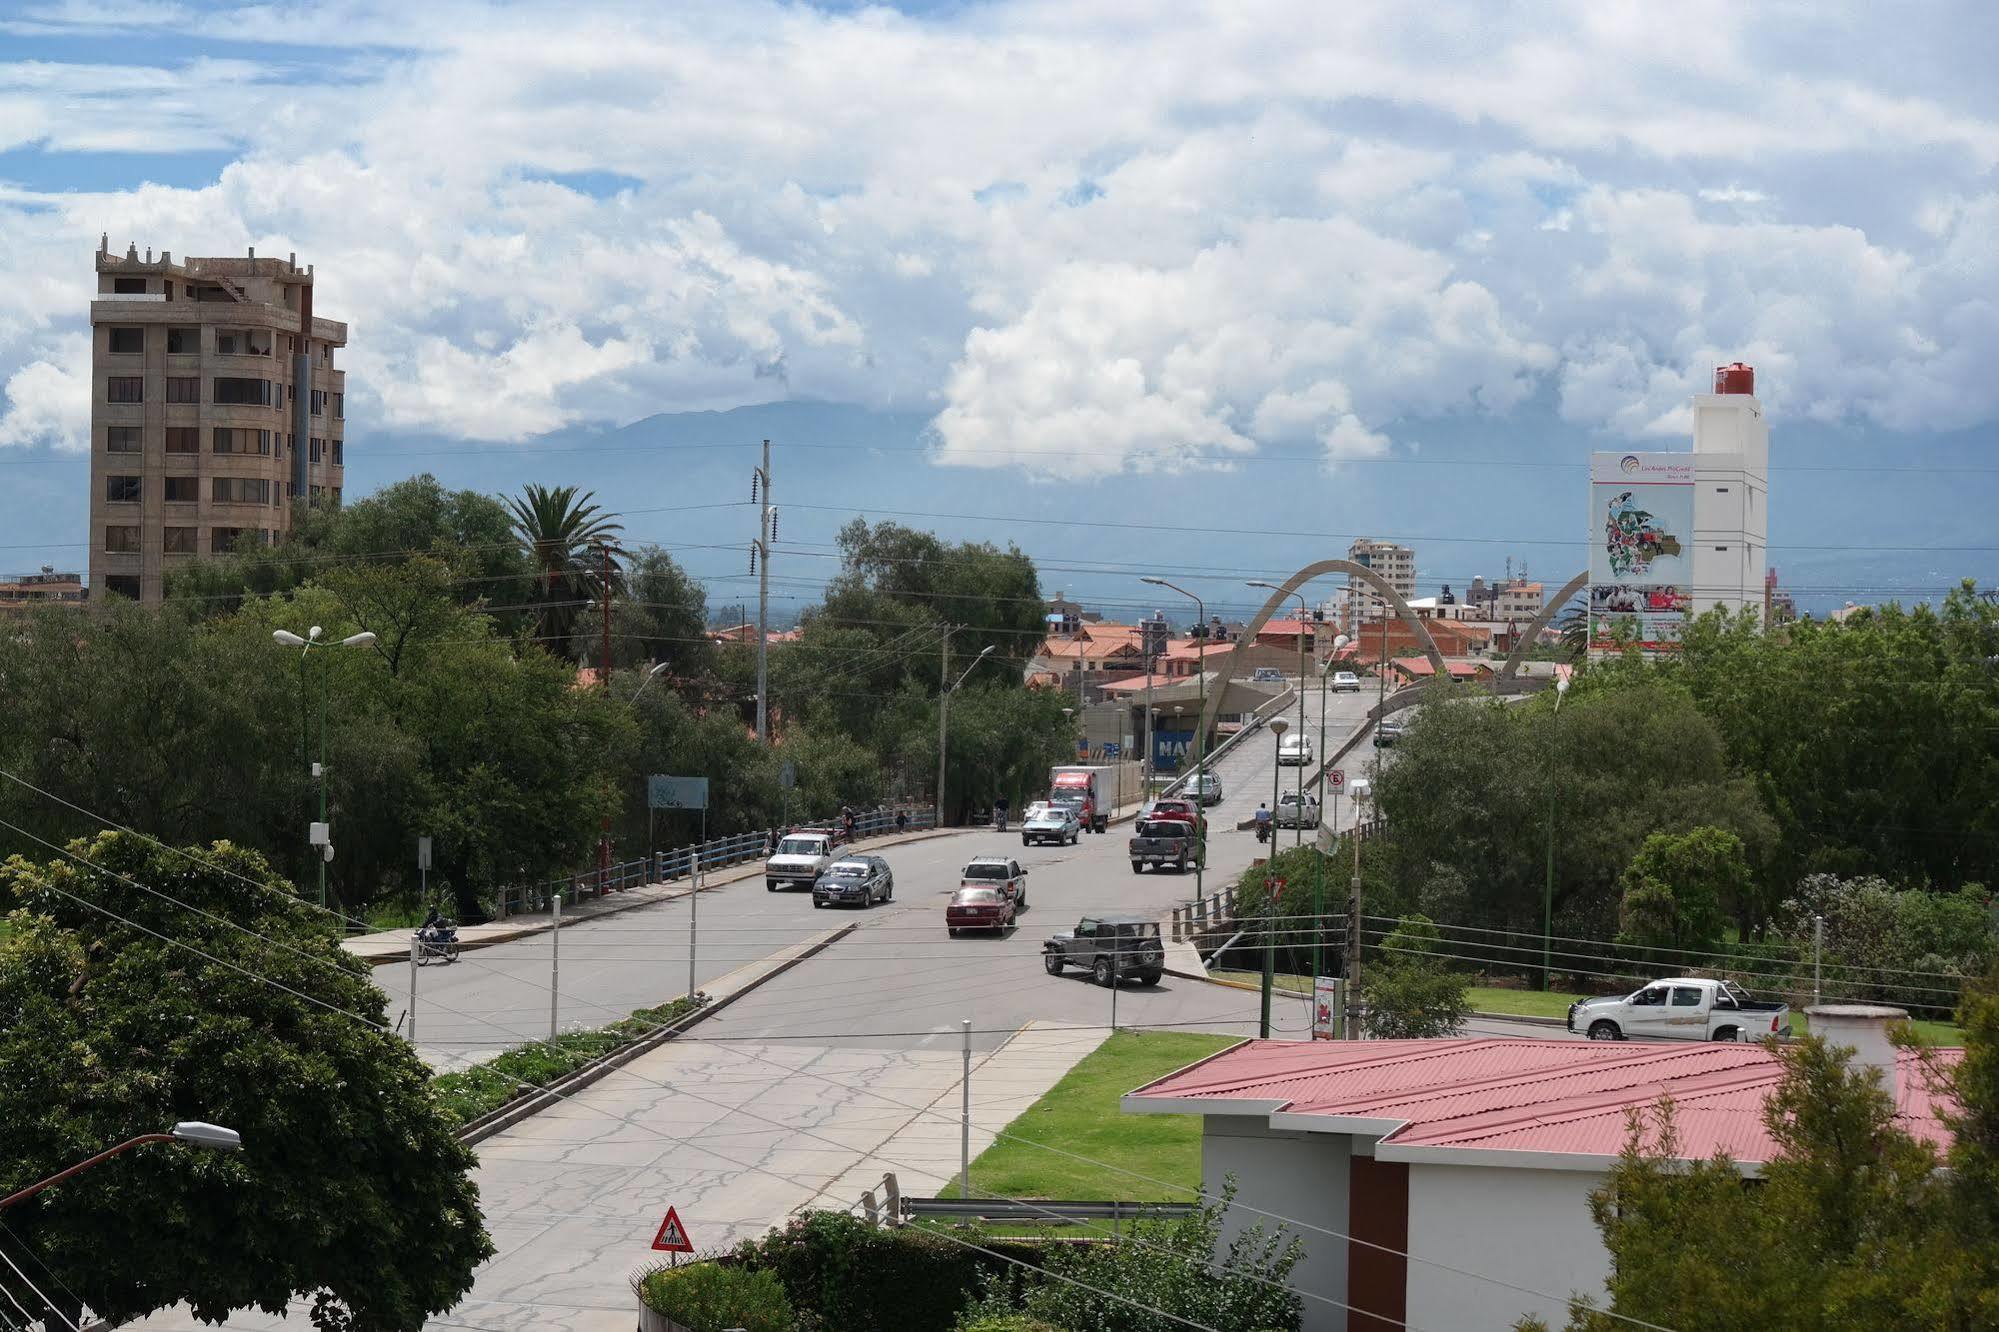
(1001, 808)
(1262, 823)
(432, 924)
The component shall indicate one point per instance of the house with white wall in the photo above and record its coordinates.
(1445, 1184)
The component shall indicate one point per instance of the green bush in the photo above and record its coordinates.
(1006, 1322)
(484, 1088)
(707, 1297)
(848, 1272)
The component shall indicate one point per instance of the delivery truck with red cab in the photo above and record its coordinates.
(1088, 788)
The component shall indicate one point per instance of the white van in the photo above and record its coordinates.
(1294, 751)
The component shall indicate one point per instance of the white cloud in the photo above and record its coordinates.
(48, 400)
(1097, 234)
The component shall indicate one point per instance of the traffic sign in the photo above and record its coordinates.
(1276, 889)
(1336, 779)
(672, 1236)
(423, 853)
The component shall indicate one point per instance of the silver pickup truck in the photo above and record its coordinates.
(1681, 1008)
(801, 858)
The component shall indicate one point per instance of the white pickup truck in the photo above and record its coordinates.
(801, 858)
(1681, 1008)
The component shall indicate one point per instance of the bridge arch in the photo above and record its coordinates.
(1284, 593)
(1540, 622)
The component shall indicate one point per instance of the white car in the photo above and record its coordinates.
(1292, 813)
(1053, 822)
(1204, 788)
(1294, 751)
(1345, 682)
(1682, 1008)
(801, 858)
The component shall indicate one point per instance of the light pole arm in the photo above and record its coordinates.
(24, 1194)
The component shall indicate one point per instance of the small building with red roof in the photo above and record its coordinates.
(1445, 1183)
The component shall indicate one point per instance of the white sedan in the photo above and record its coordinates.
(1051, 823)
(1345, 682)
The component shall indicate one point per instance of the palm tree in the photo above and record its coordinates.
(562, 533)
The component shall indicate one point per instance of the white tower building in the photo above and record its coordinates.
(1731, 493)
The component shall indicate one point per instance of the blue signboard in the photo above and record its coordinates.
(1171, 749)
(677, 792)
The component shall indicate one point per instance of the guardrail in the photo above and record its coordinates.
(1280, 703)
(666, 866)
(1052, 1213)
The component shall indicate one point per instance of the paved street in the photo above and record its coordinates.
(815, 1084)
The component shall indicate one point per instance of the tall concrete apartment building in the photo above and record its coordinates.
(1396, 565)
(215, 403)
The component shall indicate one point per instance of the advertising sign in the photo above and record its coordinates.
(1170, 749)
(1325, 1008)
(1641, 561)
(677, 792)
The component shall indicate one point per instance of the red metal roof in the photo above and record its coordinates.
(1560, 1097)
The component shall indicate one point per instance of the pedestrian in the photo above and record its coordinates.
(902, 820)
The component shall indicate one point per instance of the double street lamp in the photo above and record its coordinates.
(1548, 889)
(320, 835)
(1278, 726)
(192, 1132)
(1302, 613)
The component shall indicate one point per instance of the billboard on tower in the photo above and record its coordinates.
(1641, 559)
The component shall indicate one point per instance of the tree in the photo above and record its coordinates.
(1678, 887)
(1408, 992)
(1854, 1226)
(662, 617)
(561, 533)
(143, 985)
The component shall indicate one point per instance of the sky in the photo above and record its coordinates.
(1195, 288)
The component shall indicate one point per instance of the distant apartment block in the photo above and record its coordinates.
(215, 404)
(1519, 599)
(24, 592)
(1395, 564)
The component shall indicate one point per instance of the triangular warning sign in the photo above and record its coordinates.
(672, 1236)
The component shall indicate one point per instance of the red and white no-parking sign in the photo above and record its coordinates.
(1336, 780)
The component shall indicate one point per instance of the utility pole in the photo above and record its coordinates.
(943, 715)
(1351, 1022)
(965, 1116)
(1278, 727)
(554, 961)
(604, 603)
(766, 533)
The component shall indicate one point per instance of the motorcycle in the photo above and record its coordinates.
(1262, 832)
(439, 943)
(999, 820)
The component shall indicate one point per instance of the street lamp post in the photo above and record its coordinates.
(1278, 726)
(1548, 888)
(1200, 733)
(943, 721)
(305, 645)
(1325, 799)
(193, 1132)
(1302, 612)
(1350, 1022)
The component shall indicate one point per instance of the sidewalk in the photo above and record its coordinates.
(923, 1148)
(390, 946)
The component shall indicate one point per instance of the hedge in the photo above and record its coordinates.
(484, 1088)
(707, 1297)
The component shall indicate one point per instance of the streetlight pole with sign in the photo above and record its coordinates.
(1278, 726)
(1200, 728)
(320, 834)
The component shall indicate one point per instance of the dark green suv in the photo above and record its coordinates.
(1110, 948)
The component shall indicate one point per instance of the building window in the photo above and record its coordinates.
(182, 541)
(128, 286)
(239, 440)
(243, 392)
(318, 449)
(183, 439)
(123, 439)
(184, 388)
(121, 540)
(340, 406)
(239, 490)
(128, 341)
(121, 490)
(121, 585)
(183, 489)
(339, 452)
(222, 540)
(319, 402)
(125, 388)
(242, 342)
(183, 341)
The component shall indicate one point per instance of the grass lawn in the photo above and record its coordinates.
(1080, 1114)
(1552, 1004)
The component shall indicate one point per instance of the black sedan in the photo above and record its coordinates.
(855, 880)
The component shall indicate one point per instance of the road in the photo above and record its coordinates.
(807, 1089)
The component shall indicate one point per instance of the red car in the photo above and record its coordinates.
(979, 909)
(1180, 811)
